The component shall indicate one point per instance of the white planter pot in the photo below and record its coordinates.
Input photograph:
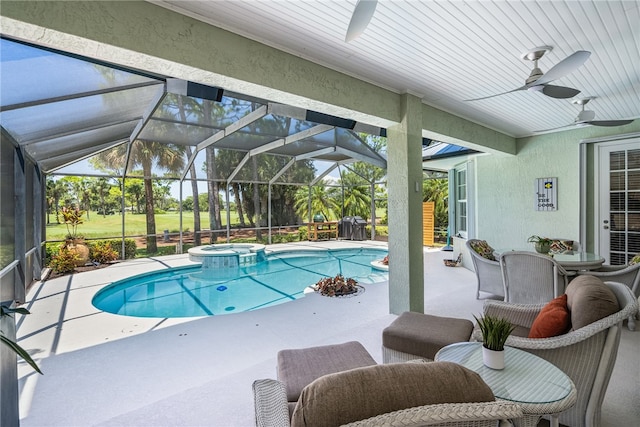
(493, 359)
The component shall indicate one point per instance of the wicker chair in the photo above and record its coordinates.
(627, 274)
(587, 354)
(531, 278)
(271, 410)
(487, 271)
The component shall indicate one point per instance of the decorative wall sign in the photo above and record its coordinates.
(546, 194)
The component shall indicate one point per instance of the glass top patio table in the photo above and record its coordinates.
(538, 386)
(573, 260)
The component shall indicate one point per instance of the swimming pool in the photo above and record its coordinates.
(191, 291)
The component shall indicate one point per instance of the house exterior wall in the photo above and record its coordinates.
(505, 214)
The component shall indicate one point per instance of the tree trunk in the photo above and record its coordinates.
(57, 201)
(197, 241)
(152, 246)
(194, 184)
(216, 203)
(236, 193)
(212, 194)
(256, 198)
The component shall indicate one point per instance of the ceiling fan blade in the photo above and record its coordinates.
(559, 127)
(609, 122)
(497, 94)
(362, 14)
(559, 92)
(564, 67)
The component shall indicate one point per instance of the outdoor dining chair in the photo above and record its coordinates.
(531, 278)
(486, 267)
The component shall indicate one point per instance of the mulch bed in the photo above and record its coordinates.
(52, 274)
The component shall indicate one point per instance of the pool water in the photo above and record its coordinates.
(188, 291)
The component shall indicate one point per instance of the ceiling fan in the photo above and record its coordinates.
(539, 81)
(586, 117)
(362, 14)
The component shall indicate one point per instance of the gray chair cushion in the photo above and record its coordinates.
(424, 335)
(589, 300)
(299, 367)
(361, 393)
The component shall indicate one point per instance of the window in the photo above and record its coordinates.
(461, 201)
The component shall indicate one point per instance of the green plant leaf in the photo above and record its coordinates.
(20, 352)
(495, 331)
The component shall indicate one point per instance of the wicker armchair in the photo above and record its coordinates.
(587, 354)
(627, 274)
(271, 410)
(487, 271)
(531, 278)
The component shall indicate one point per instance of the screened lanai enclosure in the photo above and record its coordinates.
(130, 147)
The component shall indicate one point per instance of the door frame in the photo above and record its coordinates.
(589, 188)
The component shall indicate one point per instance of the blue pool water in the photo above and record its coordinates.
(190, 291)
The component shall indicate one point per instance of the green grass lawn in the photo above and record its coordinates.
(97, 226)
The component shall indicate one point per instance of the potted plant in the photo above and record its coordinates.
(74, 243)
(495, 331)
(542, 244)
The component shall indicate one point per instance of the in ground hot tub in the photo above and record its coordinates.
(231, 255)
(221, 262)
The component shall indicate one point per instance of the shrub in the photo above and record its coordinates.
(246, 240)
(102, 252)
(381, 231)
(284, 238)
(64, 261)
(50, 251)
(162, 250)
(116, 244)
(303, 232)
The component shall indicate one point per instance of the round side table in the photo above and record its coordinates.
(539, 387)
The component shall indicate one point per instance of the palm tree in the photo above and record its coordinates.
(227, 161)
(101, 188)
(134, 191)
(182, 111)
(357, 197)
(145, 154)
(166, 156)
(321, 201)
(437, 191)
(56, 189)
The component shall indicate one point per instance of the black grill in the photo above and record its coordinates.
(352, 227)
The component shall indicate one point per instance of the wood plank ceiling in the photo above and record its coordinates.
(449, 51)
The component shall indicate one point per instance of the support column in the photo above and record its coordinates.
(404, 171)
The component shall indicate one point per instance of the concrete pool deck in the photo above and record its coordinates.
(102, 369)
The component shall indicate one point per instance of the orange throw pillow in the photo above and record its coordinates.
(554, 319)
